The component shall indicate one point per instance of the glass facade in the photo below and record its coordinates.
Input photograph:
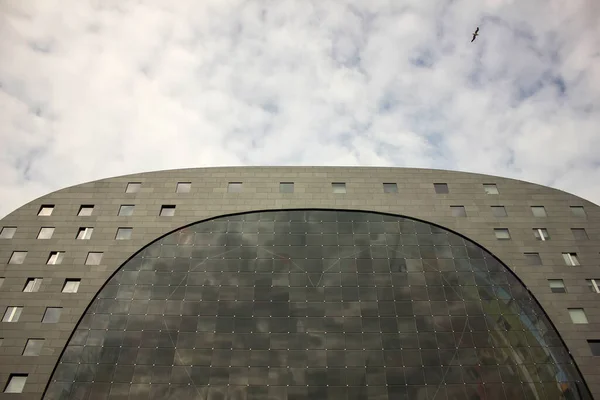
(314, 304)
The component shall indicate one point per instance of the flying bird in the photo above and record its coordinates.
(475, 34)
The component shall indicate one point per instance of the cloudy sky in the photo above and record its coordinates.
(95, 88)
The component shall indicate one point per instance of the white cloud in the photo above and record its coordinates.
(115, 87)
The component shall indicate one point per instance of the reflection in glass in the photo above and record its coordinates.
(315, 304)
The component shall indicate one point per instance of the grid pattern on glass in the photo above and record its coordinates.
(126, 210)
(52, 315)
(45, 233)
(235, 187)
(390, 188)
(46, 210)
(341, 305)
(167, 211)
(33, 285)
(578, 211)
(55, 257)
(85, 210)
(124, 233)
(71, 285)
(183, 187)
(286, 187)
(33, 347)
(458, 211)
(557, 286)
(133, 187)
(541, 234)
(17, 257)
(539, 211)
(502, 233)
(12, 314)
(578, 315)
(593, 285)
(16, 383)
(533, 258)
(490, 188)
(571, 259)
(441, 188)
(338, 187)
(94, 258)
(85, 233)
(499, 211)
(579, 234)
(8, 232)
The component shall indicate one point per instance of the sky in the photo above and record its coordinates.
(91, 89)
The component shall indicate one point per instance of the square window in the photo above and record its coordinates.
(17, 257)
(458, 211)
(85, 233)
(124, 233)
(93, 258)
(490, 188)
(126, 210)
(286, 187)
(133, 187)
(16, 383)
(55, 257)
(441, 188)
(33, 347)
(557, 286)
(579, 234)
(578, 211)
(33, 285)
(533, 258)
(390, 188)
(499, 211)
(52, 315)
(593, 285)
(571, 259)
(578, 315)
(71, 286)
(594, 347)
(167, 211)
(338, 187)
(45, 233)
(85, 211)
(538, 211)
(236, 187)
(502, 233)
(46, 210)
(12, 314)
(541, 234)
(183, 187)
(8, 232)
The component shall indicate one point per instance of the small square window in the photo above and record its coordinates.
(441, 188)
(338, 187)
(133, 187)
(593, 285)
(33, 347)
(286, 187)
(579, 234)
(126, 210)
(16, 383)
(236, 187)
(85, 233)
(85, 211)
(94, 258)
(502, 233)
(499, 211)
(45, 233)
(167, 211)
(578, 315)
(124, 233)
(571, 259)
(557, 286)
(533, 258)
(458, 211)
(578, 211)
(390, 188)
(183, 187)
(594, 347)
(12, 314)
(538, 211)
(52, 315)
(490, 188)
(46, 210)
(8, 232)
(71, 286)
(33, 285)
(55, 257)
(17, 257)
(541, 234)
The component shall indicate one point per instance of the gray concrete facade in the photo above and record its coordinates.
(209, 197)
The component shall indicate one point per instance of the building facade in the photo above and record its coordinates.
(298, 282)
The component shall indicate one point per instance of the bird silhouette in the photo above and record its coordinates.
(475, 34)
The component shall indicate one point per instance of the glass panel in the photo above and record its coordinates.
(338, 187)
(85, 211)
(235, 187)
(441, 188)
(16, 383)
(133, 187)
(33, 347)
(502, 233)
(124, 233)
(594, 347)
(12, 314)
(46, 211)
(93, 259)
(56, 257)
(538, 211)
(126, 210)
(45, 233)
(578, 211)
(571, 259)
(184, 187)
(458, 211)
(17, 257)
(390, 188)
(557, 285)
(533, 259)
(71, 286)
(52, 315)
(490, 188)
(579, 234)
(167, 211)
(8, 232)
(578, 316)
(541, 234)
(85, 233)
(286, 187)
(33, 285)
(499, 211)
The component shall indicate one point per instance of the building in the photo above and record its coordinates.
(301, 282)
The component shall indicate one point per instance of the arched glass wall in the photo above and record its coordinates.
(315, 304)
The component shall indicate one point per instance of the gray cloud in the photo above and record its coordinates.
(117, 87)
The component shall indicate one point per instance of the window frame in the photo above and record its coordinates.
(11, 317)
(338, 187)
(571, 259)
(10, 380)
(441, 188)
(583, 235)
(490, 186)
(85, 231)
(60, 255)
(530, 255)
(165, 207)
(574, 214)
(85, 207)
(134, 186)
(503, 208)
(558, 287)
(53, 317)
(540, 232)
(390, 187)
(71, 281)
(506, 230)
(538, 208)
(87, 258)
(183, 187)
(33, 284)
(287, 184)
(461, 214)
(121, 230)
(33, 340)
(235, 187)
(13, 254)
(596, 343)
(11, 235)
(593, 285)
(46, 229)
(131, 207)
(572, 311)
(43, 213)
